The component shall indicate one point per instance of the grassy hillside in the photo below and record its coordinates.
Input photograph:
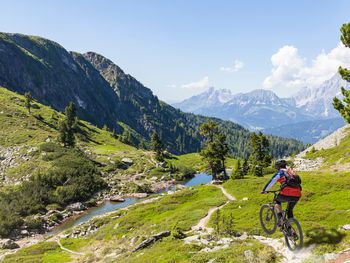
(121, 231)
(322, 210)
(337, 157)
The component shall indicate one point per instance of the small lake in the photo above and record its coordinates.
(108, 206)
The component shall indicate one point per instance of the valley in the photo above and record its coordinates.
(95, 168)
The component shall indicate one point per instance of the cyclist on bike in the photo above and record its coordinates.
(290, 194)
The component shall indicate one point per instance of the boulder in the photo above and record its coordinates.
(116, 198)
(127, 161)
(8, 244)
(346, 227)
(76, 207)
(249, 255)
(151, 240)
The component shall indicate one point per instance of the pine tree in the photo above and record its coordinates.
(259, 153)
(28, 101)
(237, 172)
(68, 125)
(216, 149)
(126, 137)
(157, 146)
(245, 167)
(343, 106)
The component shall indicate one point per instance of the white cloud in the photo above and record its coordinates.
(290, 70)
(237, 65)
(197, 86)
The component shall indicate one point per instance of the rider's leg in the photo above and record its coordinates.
(278, 210)
(290, 208)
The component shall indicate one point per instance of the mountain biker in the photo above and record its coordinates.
(290, 194)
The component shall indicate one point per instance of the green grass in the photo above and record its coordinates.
(183, 209)
(322, 210)
(45, 252)
(195, 161)
(339, 154)
(169, 250)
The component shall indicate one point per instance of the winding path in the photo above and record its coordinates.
(204, 221)
(277, 244)
(68, 250)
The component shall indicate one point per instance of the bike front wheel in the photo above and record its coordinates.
(268, 219)
(293, 234)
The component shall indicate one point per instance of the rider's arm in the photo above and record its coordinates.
(272, 181)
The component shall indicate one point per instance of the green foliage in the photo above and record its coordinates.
(216, 149)
(28, 101)
(72, 178)
(68, 126)
(343, 105)
(238, 172)
(259, 153)
(157, 146)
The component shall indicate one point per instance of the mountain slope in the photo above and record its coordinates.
(264, 110)
(317, 101)
(307, 131)
(105, 95)
(255, 110)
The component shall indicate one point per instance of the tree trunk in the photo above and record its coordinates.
(224, 167)
(213, 170)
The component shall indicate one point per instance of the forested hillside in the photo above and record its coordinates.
(105, 95)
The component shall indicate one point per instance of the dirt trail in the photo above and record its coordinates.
(277, 244)
(280, 247)
(204, 221)
(202, 224)
(68, 250)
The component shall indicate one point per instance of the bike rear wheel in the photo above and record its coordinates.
(268, 219)
(293, 234)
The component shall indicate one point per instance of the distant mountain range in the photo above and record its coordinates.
(106, 95)
(263, 110)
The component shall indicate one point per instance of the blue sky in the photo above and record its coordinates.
(179, 48)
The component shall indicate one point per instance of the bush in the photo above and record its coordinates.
(72, 178)
(33, 223)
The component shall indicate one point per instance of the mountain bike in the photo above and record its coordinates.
(290, 228)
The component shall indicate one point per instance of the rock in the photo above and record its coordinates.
(216, 182)
(76, 207)
(154, 178)
(24, 232)
(8, 244)
(346, 227)
(180, 186)
(116, 198)
(127, 161)
(245, 199)
(249, 255)
(48, 140)
(151, 240)
(137, 195)
(329, 256)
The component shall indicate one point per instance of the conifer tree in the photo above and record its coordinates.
(68, 125)
(157, 146)
(216, 149)
(343, 106)
(28, 101)
(259, 153)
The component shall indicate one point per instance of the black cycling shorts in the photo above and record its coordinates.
(285, 198)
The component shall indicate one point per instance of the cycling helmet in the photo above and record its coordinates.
(280, 164)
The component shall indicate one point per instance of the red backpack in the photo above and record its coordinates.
(292, 179)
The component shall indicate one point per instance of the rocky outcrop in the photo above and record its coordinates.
(10, 157)
(151, 240)
(8, 244)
